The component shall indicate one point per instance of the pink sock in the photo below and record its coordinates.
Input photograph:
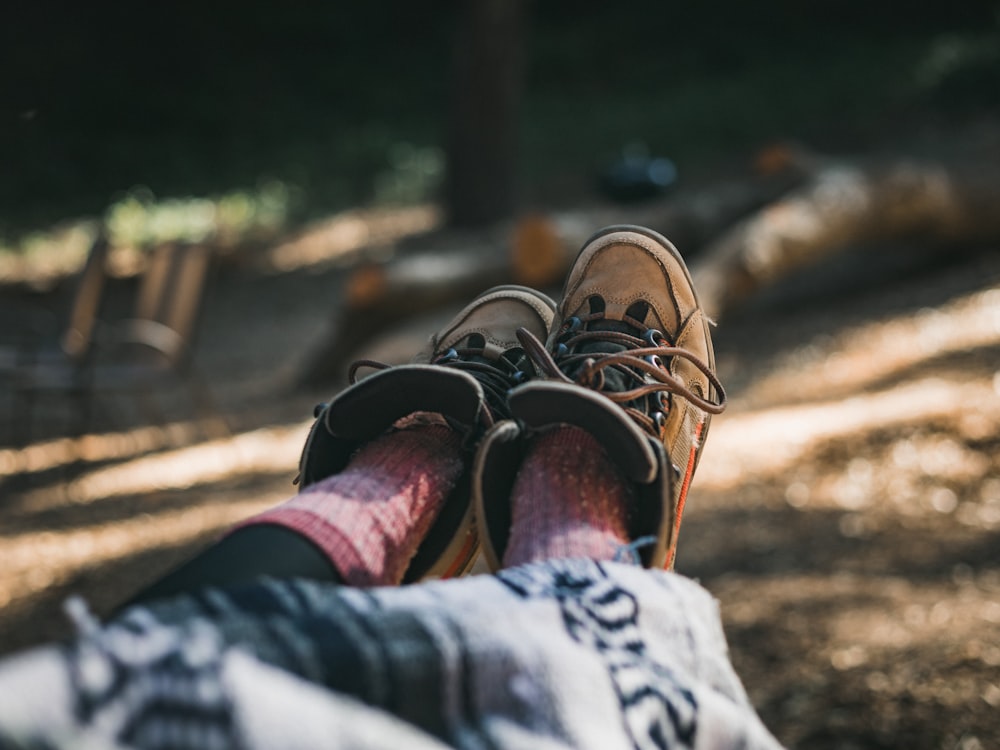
(370, 518)
(568, 500)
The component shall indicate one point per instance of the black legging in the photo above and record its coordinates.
(246, 554)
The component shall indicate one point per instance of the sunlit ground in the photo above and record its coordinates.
(830, 391)
(39, 558)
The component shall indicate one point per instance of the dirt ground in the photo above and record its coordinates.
(846, 512)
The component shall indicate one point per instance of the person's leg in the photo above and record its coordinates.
(247, 553)
(369, 519)
(360, 526)
(384, 470)
(601, 451)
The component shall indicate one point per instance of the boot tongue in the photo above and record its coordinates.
(495, 379)
(475, 341)
(614, 379)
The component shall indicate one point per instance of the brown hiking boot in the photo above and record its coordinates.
(630, 360)
(462, 375)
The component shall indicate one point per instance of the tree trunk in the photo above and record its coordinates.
(480, 178)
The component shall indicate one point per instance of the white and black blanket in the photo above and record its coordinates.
(562, 654)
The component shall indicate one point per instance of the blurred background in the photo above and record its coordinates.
(293, 186)
(322, 106)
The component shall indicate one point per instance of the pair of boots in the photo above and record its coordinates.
(626, 357)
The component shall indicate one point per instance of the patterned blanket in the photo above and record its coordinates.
(562, 654)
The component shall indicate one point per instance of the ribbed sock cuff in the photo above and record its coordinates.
(370, 519)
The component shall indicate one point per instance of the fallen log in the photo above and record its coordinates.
(537, 250)
(846, 206)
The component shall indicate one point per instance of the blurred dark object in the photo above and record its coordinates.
(637, 176)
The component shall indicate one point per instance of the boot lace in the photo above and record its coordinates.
(627, 366)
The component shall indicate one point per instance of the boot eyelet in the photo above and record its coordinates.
(660, 418)
(448, 356)
(562, 350)
(318, 409)
(662, 400)
(654, 360)
(573, 324)
(653, 337)
(519, 377)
